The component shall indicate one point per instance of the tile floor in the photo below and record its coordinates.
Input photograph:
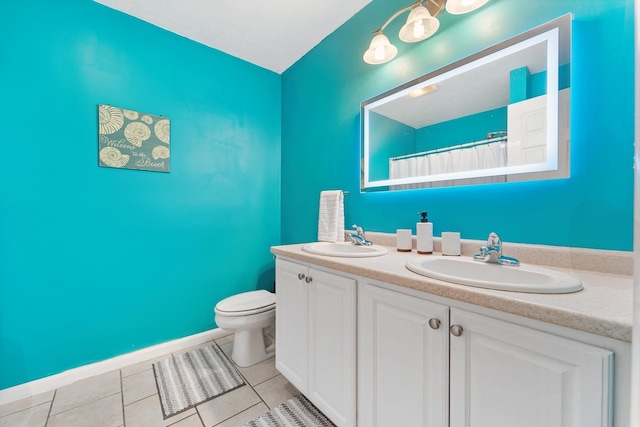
(128, 397)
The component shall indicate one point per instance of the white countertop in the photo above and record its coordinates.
(604, 307)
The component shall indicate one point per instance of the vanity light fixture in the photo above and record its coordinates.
(421, 24)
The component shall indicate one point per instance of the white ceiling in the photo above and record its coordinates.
(272, 34)
(479, 89)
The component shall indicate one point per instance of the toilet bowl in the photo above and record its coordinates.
(251, 316)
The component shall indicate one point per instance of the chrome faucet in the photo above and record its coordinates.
(358, 238)
(492, 252)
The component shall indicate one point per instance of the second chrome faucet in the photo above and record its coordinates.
(492, 252)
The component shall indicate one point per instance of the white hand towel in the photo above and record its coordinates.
(331, 216)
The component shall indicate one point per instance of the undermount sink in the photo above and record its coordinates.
(344, 249)
(522, 278)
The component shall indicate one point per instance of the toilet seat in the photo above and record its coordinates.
(246, 303)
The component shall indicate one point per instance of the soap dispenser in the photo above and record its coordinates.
(424, 232)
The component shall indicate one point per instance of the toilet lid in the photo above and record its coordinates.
(247, 301)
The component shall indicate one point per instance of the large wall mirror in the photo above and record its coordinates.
(500, 115)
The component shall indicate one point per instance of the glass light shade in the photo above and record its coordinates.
(420, 25)
(458, 7)
(380, 50)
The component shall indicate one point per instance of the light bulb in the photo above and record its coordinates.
(458, 7)
(378, 53)
(380, 50)
(418, 29)
(420, 25)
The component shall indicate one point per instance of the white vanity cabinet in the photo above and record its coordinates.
(422, 363)
(316, 337)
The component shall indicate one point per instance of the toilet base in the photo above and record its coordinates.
(249, 347)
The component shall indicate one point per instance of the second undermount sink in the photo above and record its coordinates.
(344, 249)
(522, 278)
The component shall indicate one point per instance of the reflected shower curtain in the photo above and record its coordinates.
(487, 156)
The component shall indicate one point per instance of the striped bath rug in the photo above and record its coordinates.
(191, 378)
(295, 412)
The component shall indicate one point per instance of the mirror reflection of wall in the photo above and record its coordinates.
(490, 118)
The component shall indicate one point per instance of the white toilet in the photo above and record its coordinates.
(251, 315)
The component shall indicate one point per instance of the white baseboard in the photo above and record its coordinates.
(53, 382)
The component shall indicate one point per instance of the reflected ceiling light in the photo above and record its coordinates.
(421, 24)
(423, 91)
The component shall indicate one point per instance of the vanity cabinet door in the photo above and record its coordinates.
(332, 346)
(505, 375)
(316, 337)
(292, 327)
(403, 360)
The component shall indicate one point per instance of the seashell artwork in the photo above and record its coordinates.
(160, 152)
(136, 133)
(129, 139)
(113, 157)
(110, 119)
(162, 130)
(131, 115)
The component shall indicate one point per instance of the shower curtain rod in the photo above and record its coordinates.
(454, 147)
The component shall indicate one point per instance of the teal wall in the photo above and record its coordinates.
(474, 127)
(388, 138)
(535, 84)
(320, 142)
(520, 84)
(97, 262)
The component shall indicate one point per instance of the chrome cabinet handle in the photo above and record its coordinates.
(301, 276)
(456, 330)
(434, 323)
(308, 279)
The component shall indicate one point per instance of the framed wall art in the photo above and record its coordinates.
(133, 140)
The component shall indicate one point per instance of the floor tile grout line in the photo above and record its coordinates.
(258, 394)
(253, 388)
(234, 415)
(83, 404)
(28, 408)
(199, 416)
(182, 419)
(139, 400)
(46, 422)
(151, 362)
(261, 399)
(142, 398)
(264, 381)
(124, 422)
(256, 391)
